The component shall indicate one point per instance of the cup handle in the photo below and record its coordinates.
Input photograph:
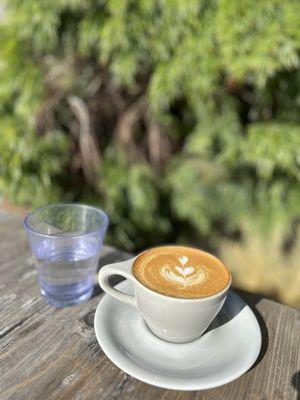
(123, 269)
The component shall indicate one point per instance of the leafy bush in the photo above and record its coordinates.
(180, 118)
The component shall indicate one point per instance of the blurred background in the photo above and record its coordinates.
(179, 118)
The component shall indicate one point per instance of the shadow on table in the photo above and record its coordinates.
(296, 383)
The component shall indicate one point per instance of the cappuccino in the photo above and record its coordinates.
(181, 272)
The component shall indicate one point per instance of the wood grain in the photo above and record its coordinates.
(53, 354)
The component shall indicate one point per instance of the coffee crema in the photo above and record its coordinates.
(181, 272)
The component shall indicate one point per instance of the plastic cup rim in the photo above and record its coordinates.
(72, 236)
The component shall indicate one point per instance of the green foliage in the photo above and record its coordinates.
(27, 166)
(133, 202)
(278, 148)
(258, 39)
(194, 106)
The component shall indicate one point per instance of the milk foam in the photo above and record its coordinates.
(185, 275)
(181, 272)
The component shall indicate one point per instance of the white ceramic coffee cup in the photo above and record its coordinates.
(173, 319)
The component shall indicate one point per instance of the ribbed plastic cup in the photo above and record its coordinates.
(65, 240)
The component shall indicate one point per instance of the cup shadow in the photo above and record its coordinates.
(231, 308)
(229, 312)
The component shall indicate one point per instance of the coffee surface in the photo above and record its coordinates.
(181, 272)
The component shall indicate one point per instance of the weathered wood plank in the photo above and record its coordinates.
(53, 354)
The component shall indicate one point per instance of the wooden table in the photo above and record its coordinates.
(53, 354)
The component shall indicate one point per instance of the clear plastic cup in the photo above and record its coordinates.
(66, 240)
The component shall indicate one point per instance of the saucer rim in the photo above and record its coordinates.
(131, 368)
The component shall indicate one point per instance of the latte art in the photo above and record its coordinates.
(186, 275)
(181, 272)
(190, 280)
(185, 271)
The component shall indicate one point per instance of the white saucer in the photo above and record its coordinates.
(226, 351)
